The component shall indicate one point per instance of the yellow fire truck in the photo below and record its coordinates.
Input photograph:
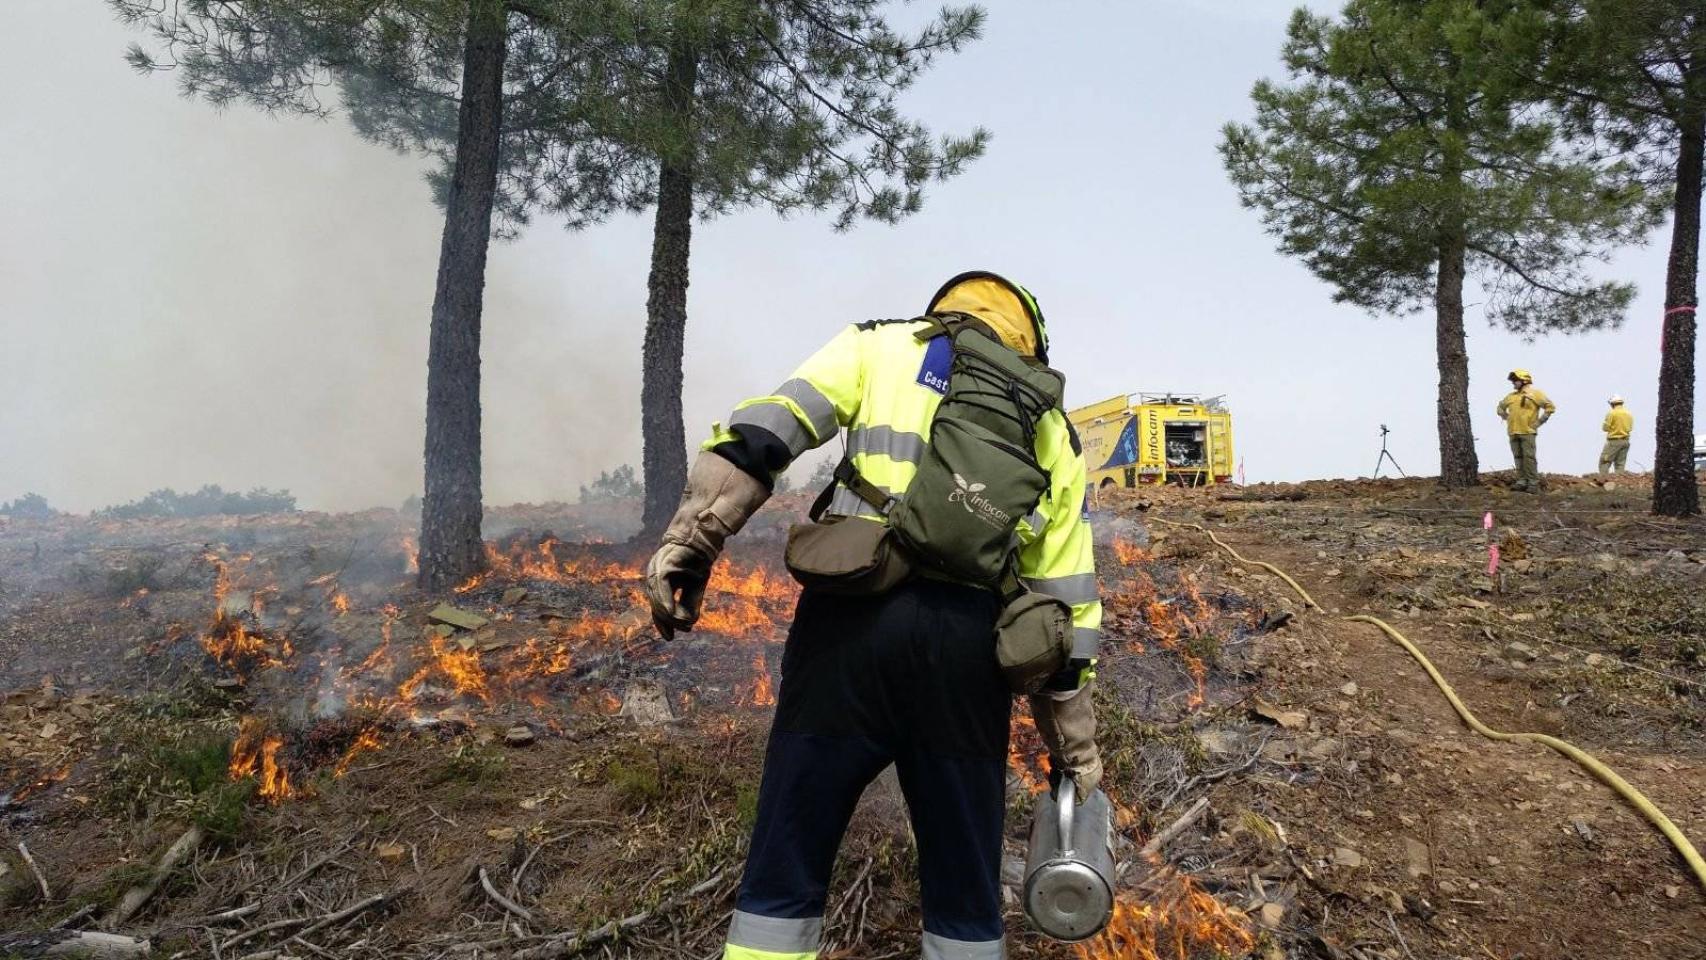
(1159, 438)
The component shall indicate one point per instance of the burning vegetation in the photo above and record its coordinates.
(331, 678)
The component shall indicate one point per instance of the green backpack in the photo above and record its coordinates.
(979, 477)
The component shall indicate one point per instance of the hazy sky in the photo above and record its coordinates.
(192, 297)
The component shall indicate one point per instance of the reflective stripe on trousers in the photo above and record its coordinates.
(752, 937)
(945, 948)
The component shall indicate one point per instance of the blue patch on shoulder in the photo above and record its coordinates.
(938, 358)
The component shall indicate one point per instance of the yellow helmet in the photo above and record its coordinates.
(1521, 375)
(1009, 309)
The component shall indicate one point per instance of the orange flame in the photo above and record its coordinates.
(367, 741)
(1025, 751)
(1170, 620)
(760, 694)
(1130, 554)
(461, 667)
(1179, 922)
(41, 783)
(255, 754)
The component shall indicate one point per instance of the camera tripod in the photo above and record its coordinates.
(1386, 456)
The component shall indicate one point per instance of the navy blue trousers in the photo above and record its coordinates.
(907, 678)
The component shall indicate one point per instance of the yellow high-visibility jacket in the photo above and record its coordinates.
(878, 382)
(1521, 410)
(1618, 424)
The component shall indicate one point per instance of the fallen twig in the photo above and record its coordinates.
(65, 943)
(315, 924)
(75, 918)
(344, 914)
(501, 900)
(1160, 840)
(35, 868)
(136, 896)
(570, 944)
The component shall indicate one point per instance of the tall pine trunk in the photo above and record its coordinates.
(1675, 492)
(664, 455)
(451, 549)
(1458, 466)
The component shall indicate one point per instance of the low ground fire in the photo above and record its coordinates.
(280, 678)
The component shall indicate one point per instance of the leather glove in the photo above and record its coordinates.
(1068, 729)
(676, 576)
(716, 503)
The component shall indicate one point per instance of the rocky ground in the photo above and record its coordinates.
(345, 768)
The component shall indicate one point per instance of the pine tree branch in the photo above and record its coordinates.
(1533, 281)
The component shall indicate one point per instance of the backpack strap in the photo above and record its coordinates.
(948, 324)
(847, 475)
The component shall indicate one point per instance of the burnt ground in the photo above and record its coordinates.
(277, 683)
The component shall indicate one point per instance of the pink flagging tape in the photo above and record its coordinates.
(1487, 521)
(1679, 310)
(1492, 559)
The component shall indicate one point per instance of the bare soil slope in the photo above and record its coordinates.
(530, 772)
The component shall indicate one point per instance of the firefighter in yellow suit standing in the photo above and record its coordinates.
(1618, 424)
(1525, 410)
(907, 677)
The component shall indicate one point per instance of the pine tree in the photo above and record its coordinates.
(1409, 154)
(701, 107)
(422, 75)
(1633, 74)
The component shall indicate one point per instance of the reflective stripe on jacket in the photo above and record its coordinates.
(882, 385)
(1521, 410)
(1618, 424)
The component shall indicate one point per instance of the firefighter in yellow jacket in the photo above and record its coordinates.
(1525, 410)
(907, 677)
(1619, 423)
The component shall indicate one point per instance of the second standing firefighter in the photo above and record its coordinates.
(907, 671)
(1619, 423)
(1525, 410)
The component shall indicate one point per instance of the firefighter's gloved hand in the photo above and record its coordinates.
(716, 503)
(675, 584)
(1068, 729)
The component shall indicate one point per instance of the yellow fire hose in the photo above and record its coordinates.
(1585, 760)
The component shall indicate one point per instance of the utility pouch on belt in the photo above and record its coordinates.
(846, 555)
(1033, 639)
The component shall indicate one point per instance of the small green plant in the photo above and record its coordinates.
(635, 785)
(470, 763)
(746, 807)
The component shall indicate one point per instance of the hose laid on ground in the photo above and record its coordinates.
(1582, 758)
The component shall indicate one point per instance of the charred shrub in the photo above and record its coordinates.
(137, 574)
(211, 500)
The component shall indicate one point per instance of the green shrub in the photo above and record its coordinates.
(210, 500)
(30, 506)
(618, 484)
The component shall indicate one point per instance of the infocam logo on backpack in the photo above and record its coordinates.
(967, 494)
